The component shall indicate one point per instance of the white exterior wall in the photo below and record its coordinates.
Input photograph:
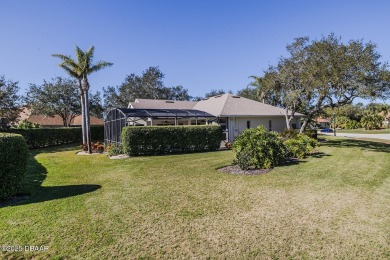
(237, 125)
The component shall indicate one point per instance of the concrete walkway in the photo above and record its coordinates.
(350, 135)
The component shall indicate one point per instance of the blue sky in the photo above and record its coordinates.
(201, 45)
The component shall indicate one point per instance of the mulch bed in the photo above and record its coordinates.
(234, 169)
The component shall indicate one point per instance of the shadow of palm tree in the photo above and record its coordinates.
(33, 192)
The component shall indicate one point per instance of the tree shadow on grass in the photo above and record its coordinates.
(362, 144)
(32, 190)
(319, 155)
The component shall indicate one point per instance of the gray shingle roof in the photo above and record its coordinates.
(221, 105)
(231, 105)
(161, 104)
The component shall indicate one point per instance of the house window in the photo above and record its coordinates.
(248, 124)
(270, 125)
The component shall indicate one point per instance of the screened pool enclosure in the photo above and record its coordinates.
(118, 118)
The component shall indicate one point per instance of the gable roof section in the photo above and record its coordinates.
(231, 105)
(213, 105)
(161, 104)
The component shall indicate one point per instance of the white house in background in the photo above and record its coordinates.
(233, 113)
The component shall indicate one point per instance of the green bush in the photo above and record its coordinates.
(43, 137)
(300, 146)
(114, 149)
(346, 123)
(371, 121)
(311, 133)
(13, 162)
(352, 124)
(341, 122)
(258, 148)
(25, 124)
(170, 139)
(288, 134)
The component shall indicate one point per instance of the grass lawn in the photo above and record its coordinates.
(364, 131)
(179, 206)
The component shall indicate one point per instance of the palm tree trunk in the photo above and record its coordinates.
(83, 121)
(87, 122)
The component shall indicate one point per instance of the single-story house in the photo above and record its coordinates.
(233, 113)
(323, 123)
(56, 121)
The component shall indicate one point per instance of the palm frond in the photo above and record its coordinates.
(100, 65)
(73, 64)
(82, 66)
(70, 71)
(61, 56)
(89, 57)
(80, 55)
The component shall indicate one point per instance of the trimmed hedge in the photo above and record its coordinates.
(13, 163)
(138, 140)
(43, 137)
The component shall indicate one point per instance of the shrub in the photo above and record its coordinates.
(13, 162)
(114, 149)
(371, 121)
(244, 159)
(97, 147)
(43, 137)
(346, 123)
(25, 124)
(341, 122)
(170, 139)
(258, 148)
(352, 124)
(300, 146)
(311, 133)
(228, 145)
(288, 134)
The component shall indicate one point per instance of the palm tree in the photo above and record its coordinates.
(257, 83)
(73, 68)
(80, 69)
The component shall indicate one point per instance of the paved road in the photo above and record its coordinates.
(375, 136)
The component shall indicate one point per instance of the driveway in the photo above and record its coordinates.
(350, 135)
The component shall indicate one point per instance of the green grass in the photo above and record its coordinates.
(364, 131)
(334, 205)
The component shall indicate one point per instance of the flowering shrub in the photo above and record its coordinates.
(228, 145)
(97, 147)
